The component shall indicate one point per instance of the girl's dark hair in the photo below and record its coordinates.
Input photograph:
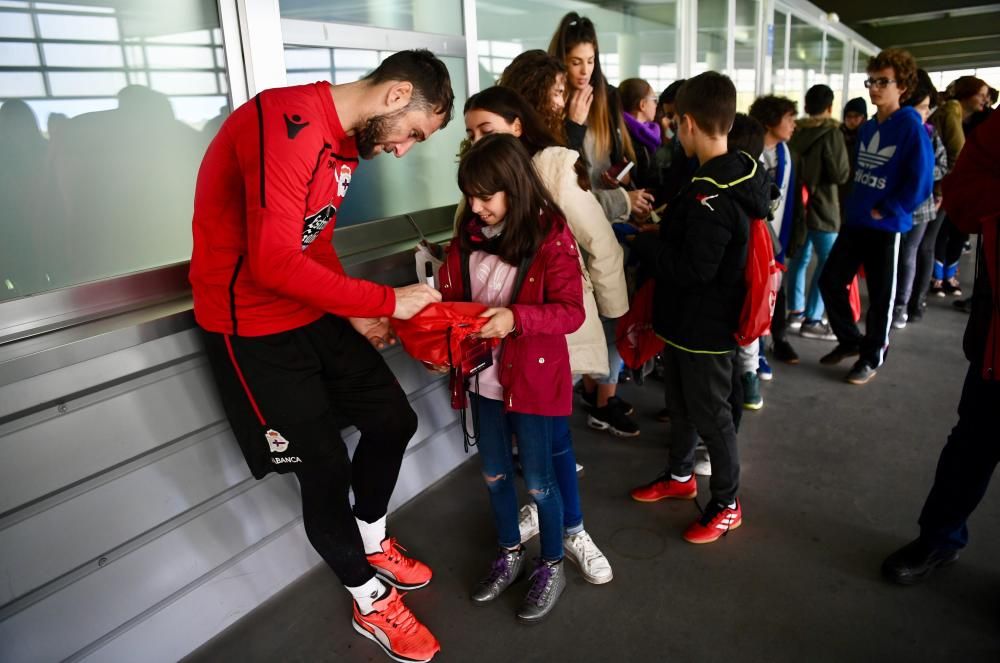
(535, 135)
(532, 75)
(573, 30)
(499, 162)
(924, 88)
(633, 91)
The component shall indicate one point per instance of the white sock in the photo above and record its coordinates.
(365, 595)
(682, 479)
(372, 535)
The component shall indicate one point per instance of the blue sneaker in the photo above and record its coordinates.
(764, 371)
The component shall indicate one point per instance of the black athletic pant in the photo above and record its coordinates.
(287, 395)
(698, 389)
(878, 252)
(966, 465)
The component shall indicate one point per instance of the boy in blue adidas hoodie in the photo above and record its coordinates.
(892, 176)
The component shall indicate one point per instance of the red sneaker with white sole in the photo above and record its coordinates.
(397, 569)
(716, 522)
(664, 488)
(396, 630)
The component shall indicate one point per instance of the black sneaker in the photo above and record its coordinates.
(860, 373)
(623, 405)
(915, 561)
(612, 418)
(952, 287)
(818, 330)
(783, 351)
(839, 354)
(914, 315)
(963, 305)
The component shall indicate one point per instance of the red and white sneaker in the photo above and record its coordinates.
(664, 488)
(396, 630)
(397, 569)
(716, 522)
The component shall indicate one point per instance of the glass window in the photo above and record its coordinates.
(745, 54)
(713, 26)
(805, 62)
(856, 81)
(779, 55)
(437, 16)
(385, 186)
(835, 73)
(642, 43)
(102, 144)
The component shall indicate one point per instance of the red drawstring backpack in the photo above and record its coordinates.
(763, 279)
(434, 336)
(634, 336)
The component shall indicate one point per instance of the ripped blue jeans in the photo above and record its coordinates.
(534, 444)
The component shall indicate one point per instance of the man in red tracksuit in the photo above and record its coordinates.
(291, 338)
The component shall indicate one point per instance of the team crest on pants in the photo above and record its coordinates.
(276, 441)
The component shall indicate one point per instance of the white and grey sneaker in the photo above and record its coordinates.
(702, 463)
(593, 564)
(527, 522)
(818, 330)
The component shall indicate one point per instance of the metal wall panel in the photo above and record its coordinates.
(131, 522)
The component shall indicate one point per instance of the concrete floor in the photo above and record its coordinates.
(834, 476)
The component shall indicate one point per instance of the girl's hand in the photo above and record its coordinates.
(501, 323)
(642, 203)
(579, 104)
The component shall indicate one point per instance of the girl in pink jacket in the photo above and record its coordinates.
(514, 253)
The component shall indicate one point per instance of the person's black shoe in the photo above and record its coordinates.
(839, 354)
(613, 419)
(860, 373)
(915, 315)
(622, 405)
(915, 561)
(783, 351)
(663, 415)
(589, 397)
(963, 305)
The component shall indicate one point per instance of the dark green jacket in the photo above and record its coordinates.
(823, 166)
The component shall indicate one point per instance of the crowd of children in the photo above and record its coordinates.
(860, 196)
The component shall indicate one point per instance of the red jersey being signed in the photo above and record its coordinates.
(264, 211)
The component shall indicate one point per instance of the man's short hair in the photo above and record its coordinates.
(769, 110)
(818, 99)
(710, 99)
(747, 135)
(903, 65)
(429, 76)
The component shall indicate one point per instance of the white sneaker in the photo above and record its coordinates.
(593, 564)
(527, 522)
(702, 463)
(579, 470)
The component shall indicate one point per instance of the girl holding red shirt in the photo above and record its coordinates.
(514, 252)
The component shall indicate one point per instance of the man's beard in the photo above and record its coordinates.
(376, 130)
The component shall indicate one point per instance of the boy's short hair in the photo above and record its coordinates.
(769, 110)
(669, 95)
(747, 135)
(818, 99)
(710, 99)
(903, 65)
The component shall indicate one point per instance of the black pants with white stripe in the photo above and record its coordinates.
(878, 252)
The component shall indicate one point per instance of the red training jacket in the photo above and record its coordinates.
(534, 360)
(264, 211)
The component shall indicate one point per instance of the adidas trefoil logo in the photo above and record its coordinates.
(871, 156)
